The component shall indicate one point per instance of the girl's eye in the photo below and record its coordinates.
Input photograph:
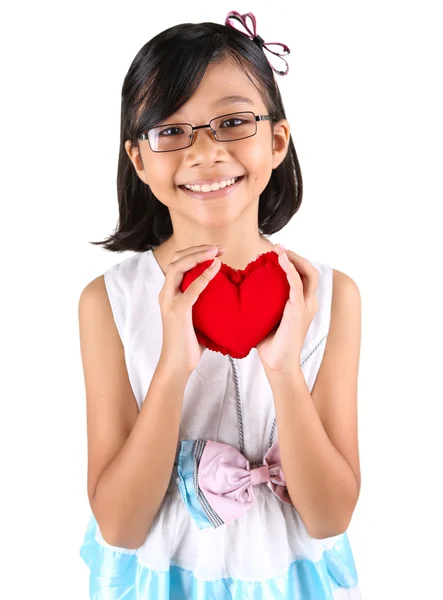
(170, 131)
(231, 123)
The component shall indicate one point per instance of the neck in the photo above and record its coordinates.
(238, 253)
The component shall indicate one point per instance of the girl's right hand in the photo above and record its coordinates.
(181, 350)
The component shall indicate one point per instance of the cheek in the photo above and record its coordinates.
(258, 154)
(260, 163)
(160, 175)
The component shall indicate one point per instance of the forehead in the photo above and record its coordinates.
(225, 87)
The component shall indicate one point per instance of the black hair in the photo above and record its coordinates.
(164, 74)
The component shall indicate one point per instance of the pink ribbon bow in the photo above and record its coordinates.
(227, 481)
(251, 33)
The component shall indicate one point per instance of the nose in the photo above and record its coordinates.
(204, 149)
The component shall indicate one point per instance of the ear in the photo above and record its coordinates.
(280, 142)
(136, 159)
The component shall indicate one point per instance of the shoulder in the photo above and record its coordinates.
(344, 334)
(96, 285)
(345, 294)
(94, 291)
(344, 281)
(121, 291)
(98, 328)
(93, 302)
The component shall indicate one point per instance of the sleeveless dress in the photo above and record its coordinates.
(247, 544)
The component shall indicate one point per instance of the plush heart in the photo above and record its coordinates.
(239, 308)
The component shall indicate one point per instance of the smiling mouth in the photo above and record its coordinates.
(212, 188)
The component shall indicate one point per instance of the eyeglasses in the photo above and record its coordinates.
(226, 128)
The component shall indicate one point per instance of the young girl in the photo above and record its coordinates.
(212, 476)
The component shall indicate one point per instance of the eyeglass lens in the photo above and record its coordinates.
(227, 128)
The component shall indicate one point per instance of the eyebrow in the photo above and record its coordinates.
(226, 100)
(233, 100)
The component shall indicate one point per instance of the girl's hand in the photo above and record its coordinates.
(280, 351)
(181, 350)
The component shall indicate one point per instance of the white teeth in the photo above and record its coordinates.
(211, 187)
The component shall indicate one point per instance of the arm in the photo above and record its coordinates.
(318, 432)
(130, 453)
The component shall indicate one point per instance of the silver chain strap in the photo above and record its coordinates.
(239, 411)
(240, 419)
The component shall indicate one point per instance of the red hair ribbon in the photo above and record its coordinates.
(251, 33)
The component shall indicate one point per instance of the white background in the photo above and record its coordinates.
(364, 100)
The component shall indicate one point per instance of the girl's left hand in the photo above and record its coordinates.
(280, 351)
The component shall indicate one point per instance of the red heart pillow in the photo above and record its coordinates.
(239, 308)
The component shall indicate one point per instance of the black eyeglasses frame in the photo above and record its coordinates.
(145, 136)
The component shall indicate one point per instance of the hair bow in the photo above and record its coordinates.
(276, 48)
(216, 481)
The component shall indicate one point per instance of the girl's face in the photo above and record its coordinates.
(224, 89)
